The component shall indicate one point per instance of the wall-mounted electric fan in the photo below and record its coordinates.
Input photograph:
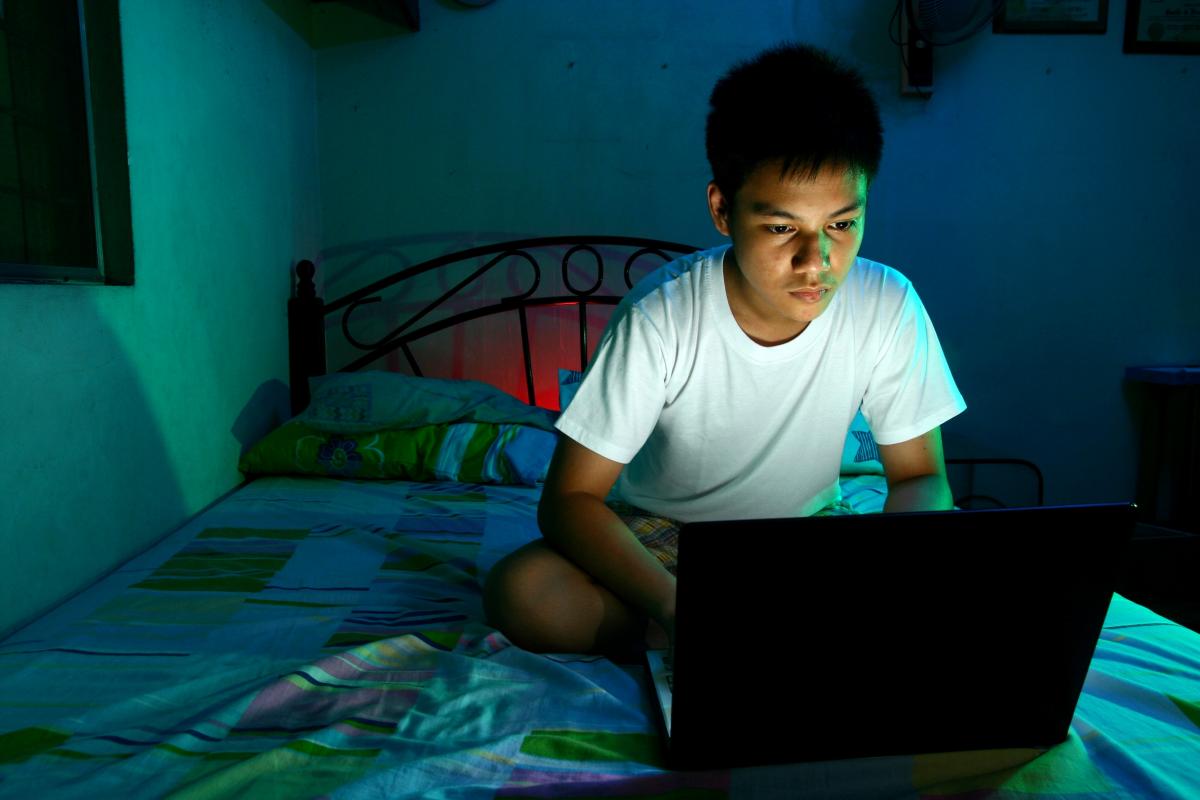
(926, 24)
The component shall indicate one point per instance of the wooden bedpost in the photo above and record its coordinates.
(306, 335)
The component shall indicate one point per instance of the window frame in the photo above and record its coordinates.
(104, 94)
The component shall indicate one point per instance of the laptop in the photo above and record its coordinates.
(884, 634)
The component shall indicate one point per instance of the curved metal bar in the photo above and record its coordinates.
(417, 325)
(537, 273)
(396, 332)
(484, 250)
(1020, 462)
(346, 321)
(383, 348)
(566, 273)
(638, 254)
(967, 499)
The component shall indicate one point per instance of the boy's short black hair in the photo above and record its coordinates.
(794, 103)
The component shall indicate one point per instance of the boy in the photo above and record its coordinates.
(725, 382)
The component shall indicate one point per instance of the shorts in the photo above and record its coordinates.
(660, 535)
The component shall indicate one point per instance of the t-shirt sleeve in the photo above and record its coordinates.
(623, 391)
(911, 390)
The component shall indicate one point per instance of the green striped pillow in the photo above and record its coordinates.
(470, 452)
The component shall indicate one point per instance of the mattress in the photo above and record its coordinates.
(312, 637)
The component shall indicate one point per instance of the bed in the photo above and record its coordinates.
(318, 632)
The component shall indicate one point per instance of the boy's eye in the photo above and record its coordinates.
(844, 225)
(781, 229)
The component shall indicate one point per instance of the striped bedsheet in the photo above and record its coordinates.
(321, 638)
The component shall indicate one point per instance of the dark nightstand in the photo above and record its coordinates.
(1161, 572)
(1167, 401)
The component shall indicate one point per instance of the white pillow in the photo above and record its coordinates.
(355, 402)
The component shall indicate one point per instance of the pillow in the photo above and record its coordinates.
(471, 452)
(860, 454)
(568, 385)
(347, 402)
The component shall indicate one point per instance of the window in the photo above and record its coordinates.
(64, 171)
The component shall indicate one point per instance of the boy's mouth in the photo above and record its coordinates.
(808, 295)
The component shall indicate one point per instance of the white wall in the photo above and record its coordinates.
(125, 409)
(1041, 200)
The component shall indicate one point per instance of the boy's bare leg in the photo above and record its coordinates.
(543, 602)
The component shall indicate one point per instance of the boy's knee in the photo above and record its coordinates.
(514, 587)
(541, 601)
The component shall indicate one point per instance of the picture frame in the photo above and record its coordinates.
(1162, 26)
(1051, 16)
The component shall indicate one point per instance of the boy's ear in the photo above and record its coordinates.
(718, 208)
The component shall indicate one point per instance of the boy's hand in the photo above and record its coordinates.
(576, 521)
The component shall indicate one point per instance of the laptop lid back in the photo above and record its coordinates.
(855, 636)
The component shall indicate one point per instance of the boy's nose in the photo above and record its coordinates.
(811, 252)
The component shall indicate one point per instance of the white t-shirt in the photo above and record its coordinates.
(712, 425)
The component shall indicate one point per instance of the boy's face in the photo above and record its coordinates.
(794, 241)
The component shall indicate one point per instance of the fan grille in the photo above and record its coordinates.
(949, 21)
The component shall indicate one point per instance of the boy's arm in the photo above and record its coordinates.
(916, 474)
(575, 521)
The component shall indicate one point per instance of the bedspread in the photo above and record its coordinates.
(322, 638)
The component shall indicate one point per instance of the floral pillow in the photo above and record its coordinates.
(568, 385)
(860, 454)
(471, 452)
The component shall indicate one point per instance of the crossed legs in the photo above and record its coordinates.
(543, 602)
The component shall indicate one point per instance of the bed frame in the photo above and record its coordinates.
(307, 314)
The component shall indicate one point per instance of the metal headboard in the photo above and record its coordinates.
(307, 311)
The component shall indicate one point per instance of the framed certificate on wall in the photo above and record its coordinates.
(1051, 16)
(1162, 26)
